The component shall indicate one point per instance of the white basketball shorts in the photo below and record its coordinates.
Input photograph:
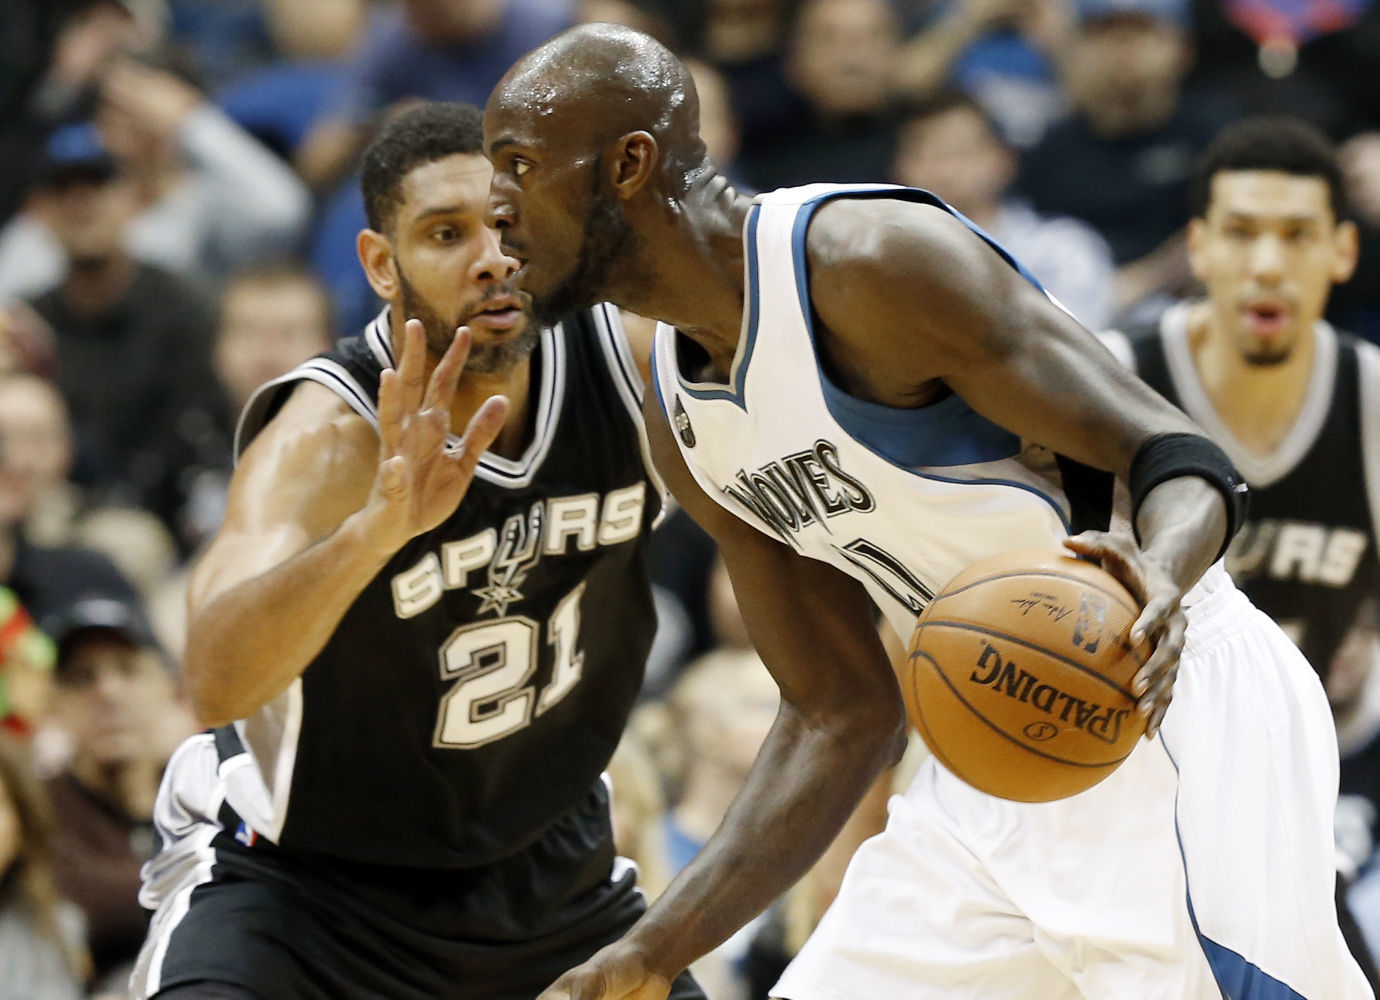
(1202, 868)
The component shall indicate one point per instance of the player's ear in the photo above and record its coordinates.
(634, 159)
(376, 257)
(1346, 244)
(1197, 239)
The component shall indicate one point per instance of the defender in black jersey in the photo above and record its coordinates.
(1295, 403)
(417, 650)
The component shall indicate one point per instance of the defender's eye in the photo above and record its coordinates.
(520, 167)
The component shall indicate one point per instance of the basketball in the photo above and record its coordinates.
(1020, 672)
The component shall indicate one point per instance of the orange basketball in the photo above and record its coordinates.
(1021, 674)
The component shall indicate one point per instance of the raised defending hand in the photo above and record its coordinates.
(1161, 618)
(421, 480)
(616, 972)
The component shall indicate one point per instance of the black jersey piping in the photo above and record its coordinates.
(493, 468)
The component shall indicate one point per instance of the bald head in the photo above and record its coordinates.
(596, 82)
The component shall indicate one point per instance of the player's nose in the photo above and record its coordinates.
(491, 263)
(502, 211)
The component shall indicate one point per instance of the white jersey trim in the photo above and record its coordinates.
(628, 381)
(185, 838)
(1260, 470)
(1368, 363)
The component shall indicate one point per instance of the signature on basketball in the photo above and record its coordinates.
(1047, 603)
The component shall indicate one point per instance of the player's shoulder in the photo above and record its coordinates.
(314, 433)
(867, 231)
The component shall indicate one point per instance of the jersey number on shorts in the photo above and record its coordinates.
(491, 663)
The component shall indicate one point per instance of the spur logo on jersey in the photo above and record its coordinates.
(1305, 551)
(805, 488)
(506, 556)
(1005, 676)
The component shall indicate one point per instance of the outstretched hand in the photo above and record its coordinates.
(616, 972)
(1161, 620)
(420, 479)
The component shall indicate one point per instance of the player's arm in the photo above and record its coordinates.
(840, 722)
(317, 506)
(912, 298)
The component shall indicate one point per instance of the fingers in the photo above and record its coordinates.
(480, 433)
(411, 366)
(1155, 681)
(440, 391)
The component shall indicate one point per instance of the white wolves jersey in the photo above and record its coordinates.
(790, 453)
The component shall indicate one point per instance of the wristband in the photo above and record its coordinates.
(1169, 456)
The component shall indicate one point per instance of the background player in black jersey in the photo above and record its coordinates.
(419, 650)
(1287, 397)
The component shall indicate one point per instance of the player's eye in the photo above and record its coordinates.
(445, 234)
(520, 167)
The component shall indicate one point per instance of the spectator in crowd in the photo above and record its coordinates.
(447, 50)
(41, 950)
(1122, 160)
(206, 196)
(117, 701)
(115, 314)
(37, 495)
(638, 806)
(1003, 52)
(51, 51)
(26, 666)
(273, 316)
(838, 62)
(280, 102)
(950, 146)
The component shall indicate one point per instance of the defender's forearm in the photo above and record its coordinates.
(249, 642)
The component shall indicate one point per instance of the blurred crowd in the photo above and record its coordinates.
(179, 201)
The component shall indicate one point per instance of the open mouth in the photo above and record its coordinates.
(1267, 319)
(502, 313)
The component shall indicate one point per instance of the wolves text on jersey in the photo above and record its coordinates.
(509, 554)
(800, 489)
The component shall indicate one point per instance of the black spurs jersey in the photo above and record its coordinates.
(475, 690)
(1307, 554)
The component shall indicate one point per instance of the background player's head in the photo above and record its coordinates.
(588, 130)
(1269, 235)
(429, 250)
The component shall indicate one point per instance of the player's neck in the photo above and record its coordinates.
(1258, 403)
(475, 388)
(698, 285)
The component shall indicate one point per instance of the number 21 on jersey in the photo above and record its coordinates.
(491, 664)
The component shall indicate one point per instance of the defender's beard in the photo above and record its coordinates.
(484, 359)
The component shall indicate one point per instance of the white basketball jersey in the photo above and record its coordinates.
(901, 499)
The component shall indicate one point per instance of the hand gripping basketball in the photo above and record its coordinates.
(1021, 670)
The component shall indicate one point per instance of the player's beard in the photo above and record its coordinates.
(484, 359)
(607, 240)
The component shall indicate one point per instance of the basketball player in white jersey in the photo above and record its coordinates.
(845, 390)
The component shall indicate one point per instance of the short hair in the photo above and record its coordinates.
(945, 100)
(409, 139)
(1269, 142)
